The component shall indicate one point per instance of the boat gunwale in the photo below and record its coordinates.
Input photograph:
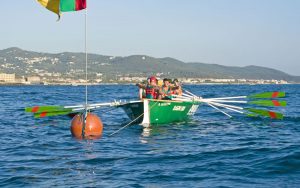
(159, 100)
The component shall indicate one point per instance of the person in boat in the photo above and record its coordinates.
(166, 90)
(142, 91)
(151, 88)
(160, 83)
(177, 87)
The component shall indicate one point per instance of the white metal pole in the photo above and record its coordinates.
(226, 105)
(232, 109)
(86, 59)
(86, 89)
(219, 110)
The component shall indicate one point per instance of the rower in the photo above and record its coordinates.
(165, 91)
(142, 92)
(177, 87)
(151, 89)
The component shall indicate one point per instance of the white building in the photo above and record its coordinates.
(33, 79)
(10, 78)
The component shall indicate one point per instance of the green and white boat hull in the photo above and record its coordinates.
(155, 112)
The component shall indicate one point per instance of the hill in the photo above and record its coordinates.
(67, 64)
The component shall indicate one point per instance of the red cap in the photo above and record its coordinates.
(153, 78)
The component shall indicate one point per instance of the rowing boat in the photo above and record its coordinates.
(155, 112)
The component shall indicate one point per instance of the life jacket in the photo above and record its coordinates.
(151, 92)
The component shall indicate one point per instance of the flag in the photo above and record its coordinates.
(72, 5)
(58, 6)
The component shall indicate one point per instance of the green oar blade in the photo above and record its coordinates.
(50, 114)
(266, 113)
(252, 115)
(268, 103)
(275, 94)
(39, 109)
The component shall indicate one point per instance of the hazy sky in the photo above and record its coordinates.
(226, 32)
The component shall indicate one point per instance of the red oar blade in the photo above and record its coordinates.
(275, 94)
(272, 103)
(50, 114)
(265, 113)
(39, 109)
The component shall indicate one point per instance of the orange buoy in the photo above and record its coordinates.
(92, 129)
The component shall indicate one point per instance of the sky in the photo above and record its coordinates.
(226, 32)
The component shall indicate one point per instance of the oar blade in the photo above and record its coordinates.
(50, 114)
(266, 113)
(273, 103)
(39, 109)
(252, 115)
(275, 94)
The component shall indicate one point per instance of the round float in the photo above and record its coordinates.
(92, 129)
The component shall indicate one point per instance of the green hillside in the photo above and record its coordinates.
(21, 62)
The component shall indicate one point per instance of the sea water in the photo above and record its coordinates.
(210, 150)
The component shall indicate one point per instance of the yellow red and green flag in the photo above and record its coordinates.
(58, 6)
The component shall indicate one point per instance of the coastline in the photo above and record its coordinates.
(118, 83)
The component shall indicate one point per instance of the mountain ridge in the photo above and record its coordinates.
(23, 62)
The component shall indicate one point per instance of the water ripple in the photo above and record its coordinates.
(208, 151)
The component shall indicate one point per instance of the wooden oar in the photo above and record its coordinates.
(219, 102)
(274, 103)
(271, 103)
(55, 108)
(266, 113)
(276, 94)
(260, 112)
(38, 109)
(211, 105)
(50, 114)
(49, 111)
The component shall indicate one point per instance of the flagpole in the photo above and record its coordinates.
(86, 76)
(86, 59)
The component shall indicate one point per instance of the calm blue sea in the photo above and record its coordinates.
(209, 151)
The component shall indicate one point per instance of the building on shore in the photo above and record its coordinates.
(7, 78)
(33, 80)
